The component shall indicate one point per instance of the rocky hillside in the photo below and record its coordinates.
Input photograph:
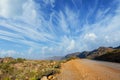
(100, 53)
(113, 56)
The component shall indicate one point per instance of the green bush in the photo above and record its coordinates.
(71, 58)
(7, 78)
(57, 65)
(18, 60)
(33, 78)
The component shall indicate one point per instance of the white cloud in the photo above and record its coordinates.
(11, 8)
(30, 50)
(90, 36)
(30, 14)
(61, 34)
(71, 45)
(24, 10)
(63, 23)
(9, 53)
(51, 2)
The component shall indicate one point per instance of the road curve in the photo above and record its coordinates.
(84, 69)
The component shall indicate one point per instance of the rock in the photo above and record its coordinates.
(50, 77)
(1, 72)
(54, 78)
(44, 78)
(26, 78)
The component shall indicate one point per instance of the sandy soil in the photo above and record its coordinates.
(83, 69)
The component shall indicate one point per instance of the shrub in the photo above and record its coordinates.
(7, 78)
(20, 60)
(71, 58)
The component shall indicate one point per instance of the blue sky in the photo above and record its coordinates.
(38, 29)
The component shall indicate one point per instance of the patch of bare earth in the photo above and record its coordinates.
(82, 69)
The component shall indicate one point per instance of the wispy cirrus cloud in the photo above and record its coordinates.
(47, 29)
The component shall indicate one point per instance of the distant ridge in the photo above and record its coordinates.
(55, 58)
(102, 53)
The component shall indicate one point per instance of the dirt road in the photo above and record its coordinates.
(83, 69)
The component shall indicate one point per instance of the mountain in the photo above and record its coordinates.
(102, 53)
(98, 52)
(91, 54)
(72, 55)
(113, 56)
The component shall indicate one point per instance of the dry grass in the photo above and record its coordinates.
(21, 69)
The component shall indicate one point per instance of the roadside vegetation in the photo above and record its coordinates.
(22, 69)
(70, 58)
